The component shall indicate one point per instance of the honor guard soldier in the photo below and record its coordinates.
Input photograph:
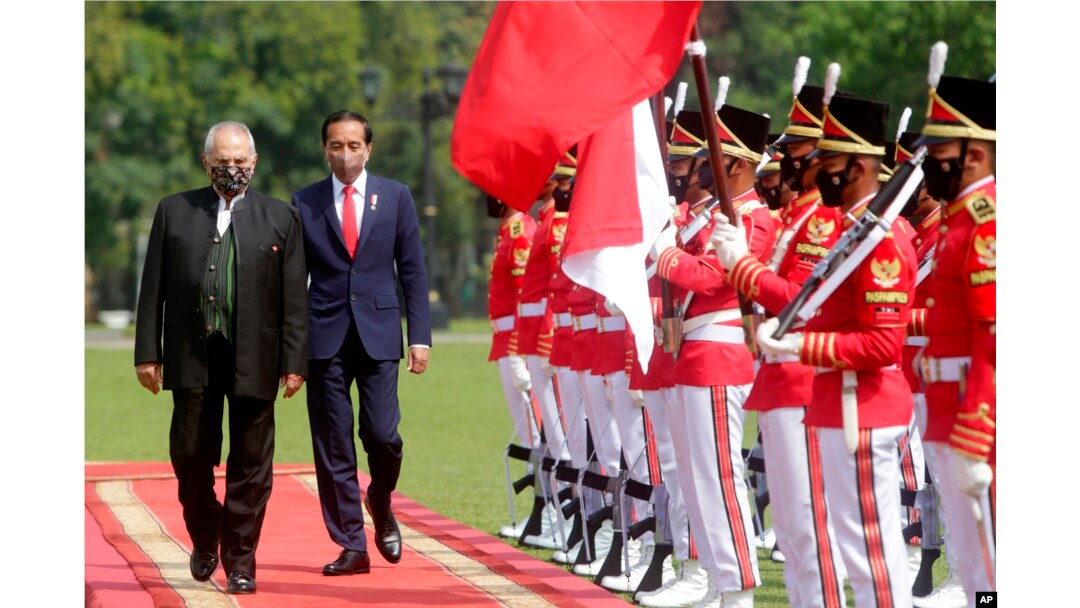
(813, 568)
(959, 364)
(714, 370)
(855, 340)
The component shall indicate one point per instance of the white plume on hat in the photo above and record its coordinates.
(904, 118)
(802, 67)
(667, 104)
(680, 100)
(721, 93)
(832, 75)
(938, 54)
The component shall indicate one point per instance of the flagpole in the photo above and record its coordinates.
(701, 79)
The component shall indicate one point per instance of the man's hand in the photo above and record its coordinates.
(665, 240)
(729, 241)
(291, 383)
(638, 397)
(149, 375)
(973, 477)
(546, 365)
(418, 358)
(519, 373)
(790, 344)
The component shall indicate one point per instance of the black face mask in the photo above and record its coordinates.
(831, 185)
(792, 171)
(495, 207)
(771, 196)
(678, 185)
(943, 175)
(562, 198)
(705, 177)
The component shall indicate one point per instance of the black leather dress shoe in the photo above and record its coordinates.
(203, 564)
(387, 534)
(349, 562)
(241, 582)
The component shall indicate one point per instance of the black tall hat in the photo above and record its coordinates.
(854, 126)
(742, 133)
(961, 108)
(687, 135)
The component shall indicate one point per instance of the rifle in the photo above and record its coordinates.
(855, 244)
(670, 320)
(696, 48)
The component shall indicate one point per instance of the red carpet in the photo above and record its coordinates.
(137, 554)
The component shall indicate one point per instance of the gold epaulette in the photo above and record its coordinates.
(981, 207)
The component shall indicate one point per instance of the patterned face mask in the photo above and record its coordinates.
(230, 180)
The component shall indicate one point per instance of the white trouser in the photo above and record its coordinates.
(912, 472)
(630, 422)
(520, 404)
(863, 493)
(960, 522)
(712, 475)
(543, 389)
(573, 413)
(813, 567)
(658, 407)
(605, 434)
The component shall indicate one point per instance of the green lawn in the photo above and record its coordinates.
(454, 422)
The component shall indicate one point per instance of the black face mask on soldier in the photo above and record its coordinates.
(678, 185)
(771, 196)
(831, 185)
(943, 175)
(495, 207)
(792, 171)
(562, 198)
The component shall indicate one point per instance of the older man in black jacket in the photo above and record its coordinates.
(225, 282)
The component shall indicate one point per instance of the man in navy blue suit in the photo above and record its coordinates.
(357, 229)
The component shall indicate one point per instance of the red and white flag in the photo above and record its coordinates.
(549, 74)
(620, 205)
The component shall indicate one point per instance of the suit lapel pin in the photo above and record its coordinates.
(374, 200)
(275, 248)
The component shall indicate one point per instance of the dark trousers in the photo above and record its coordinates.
(330, 413)
(195, 449)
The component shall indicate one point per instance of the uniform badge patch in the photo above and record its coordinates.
(516, 229)
(886, 273)
(986, 250)
(982, 208)
(819, 229)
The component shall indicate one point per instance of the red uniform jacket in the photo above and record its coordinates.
(512, 246)
(861, 327)
(533, 314)
(925, 242)
(695, 268)
(788, 383)
(960, 322)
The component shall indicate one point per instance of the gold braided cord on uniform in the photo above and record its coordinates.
(968, 130)
(803, 131)
(682, 150)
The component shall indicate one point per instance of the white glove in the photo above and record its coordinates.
(546, 365)
(673, 206)
(972, 476)
(665, 240)
(638, 397)
(519, 373)
(612, 308)
(729, 241)
(790, 344)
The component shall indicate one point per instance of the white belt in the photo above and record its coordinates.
(562, 319)
(533, 309)
(945, 369)
(503, 323)
(606, 324)
(729, 334)
(585, 322)
(825, 370)
(917, 340)
(769, 358)
(717, 316)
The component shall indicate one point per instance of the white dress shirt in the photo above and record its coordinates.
(224, 214)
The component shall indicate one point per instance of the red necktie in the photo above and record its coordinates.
(348, 222)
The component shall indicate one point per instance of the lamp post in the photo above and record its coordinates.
(436, 104)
